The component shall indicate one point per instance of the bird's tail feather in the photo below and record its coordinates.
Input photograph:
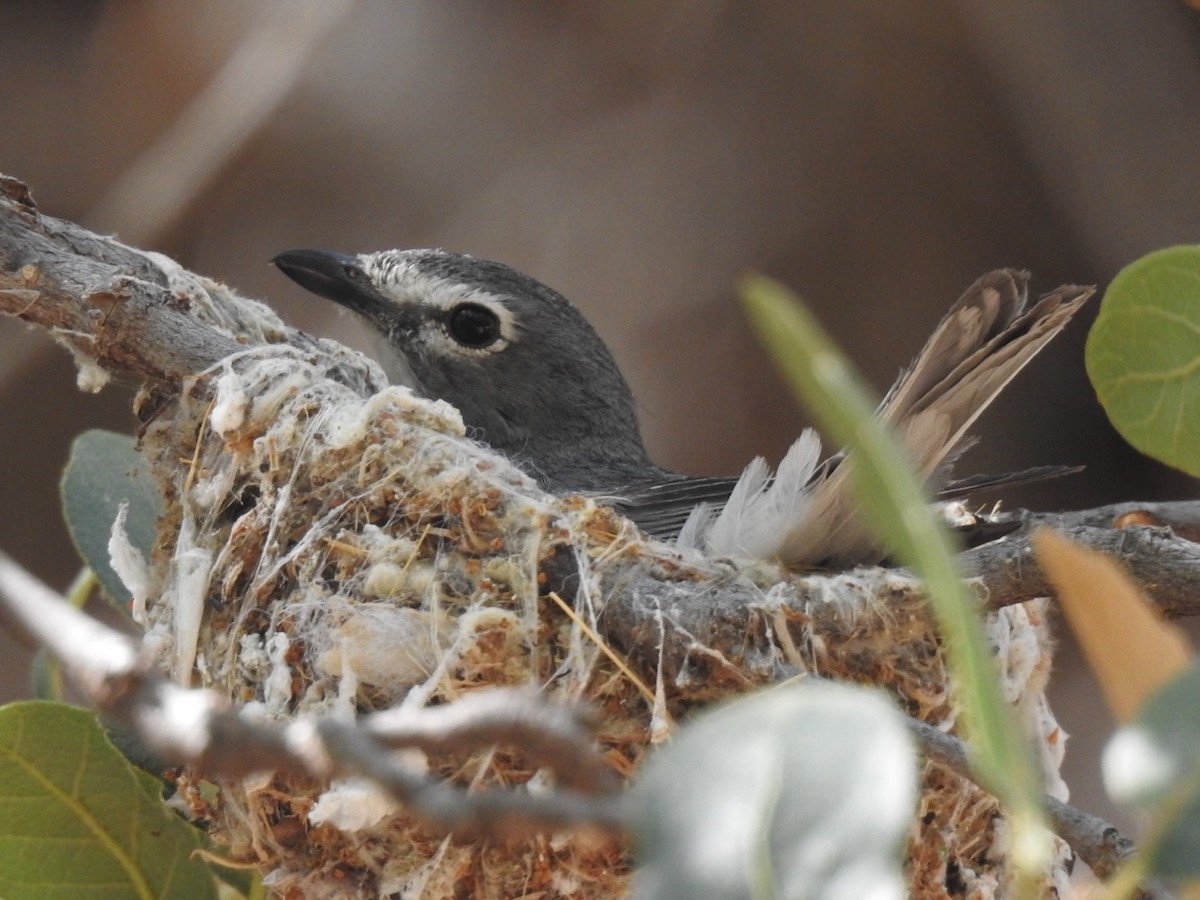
(981, 344)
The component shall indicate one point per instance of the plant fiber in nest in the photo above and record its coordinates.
(334, 545)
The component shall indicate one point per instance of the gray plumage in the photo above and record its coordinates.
(534, 381)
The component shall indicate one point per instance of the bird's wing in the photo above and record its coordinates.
(661, 508)
(975, 484)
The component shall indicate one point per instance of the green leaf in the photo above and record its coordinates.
(896, 509)
(105, 470)
(45, 679)
(78, 822)
(1143, 355)
(45, 676)
(1153, 765)
(802, 790)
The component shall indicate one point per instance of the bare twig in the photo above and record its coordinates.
(131, 312)
(551, 735)
(1098, 843)
(1155, 541)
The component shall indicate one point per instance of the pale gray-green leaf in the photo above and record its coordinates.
(1153, 765)
(103, 471)
(801, 791)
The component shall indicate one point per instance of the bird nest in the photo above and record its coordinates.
(329, 552)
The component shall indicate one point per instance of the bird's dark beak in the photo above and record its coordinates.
(334, 276)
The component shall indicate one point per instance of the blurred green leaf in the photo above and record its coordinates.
(45, 677)
(103, 471)
(1153, 765)
(897, 510)
(1143, 355)
(802, 790)
(77, 821)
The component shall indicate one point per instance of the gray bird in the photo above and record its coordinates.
(534, 381)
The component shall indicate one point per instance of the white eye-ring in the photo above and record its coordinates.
(474, 322)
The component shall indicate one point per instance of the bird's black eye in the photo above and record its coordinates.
(474, 326)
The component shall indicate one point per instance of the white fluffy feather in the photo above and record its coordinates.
(761, 510)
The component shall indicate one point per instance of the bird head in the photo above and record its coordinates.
(528, 373)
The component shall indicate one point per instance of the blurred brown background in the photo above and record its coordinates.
(638, 157)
